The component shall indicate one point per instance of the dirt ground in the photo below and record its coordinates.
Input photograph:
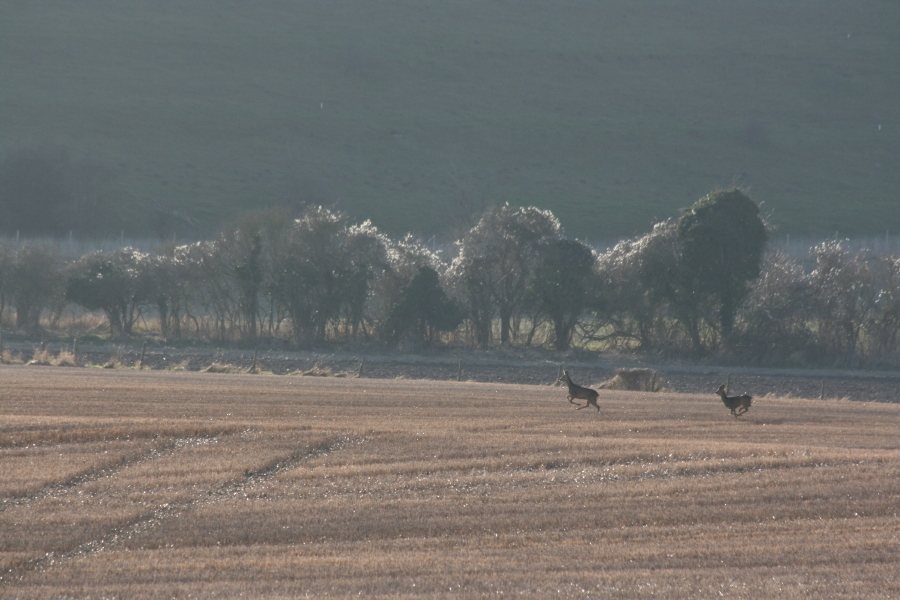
(683, 378)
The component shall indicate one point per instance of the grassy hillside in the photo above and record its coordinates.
(611, 114)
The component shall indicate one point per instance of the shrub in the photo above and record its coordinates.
(422, 310)
(117, 283)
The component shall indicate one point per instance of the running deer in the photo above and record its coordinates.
(582, 393)
(735, 402)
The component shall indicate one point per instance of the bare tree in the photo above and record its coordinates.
(775, 317)
(844, 296)
(883, 327)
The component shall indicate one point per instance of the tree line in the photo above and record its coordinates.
(701, 284)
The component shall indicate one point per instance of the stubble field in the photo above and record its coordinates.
(131, 484)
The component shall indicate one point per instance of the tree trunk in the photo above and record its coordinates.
(505, 318)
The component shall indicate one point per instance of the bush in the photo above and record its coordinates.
(115, 282)
(422, 310)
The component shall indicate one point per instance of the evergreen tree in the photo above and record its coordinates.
(722, 240)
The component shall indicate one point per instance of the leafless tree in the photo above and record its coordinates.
(844, 296)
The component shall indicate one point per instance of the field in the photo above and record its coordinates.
(123, 483)
(612, 114)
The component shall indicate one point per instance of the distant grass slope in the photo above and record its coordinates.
(611, 114)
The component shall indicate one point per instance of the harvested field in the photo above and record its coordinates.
(121, 483)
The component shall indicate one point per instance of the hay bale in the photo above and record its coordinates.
(635, 380)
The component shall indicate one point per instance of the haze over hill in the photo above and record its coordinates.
(613, 115)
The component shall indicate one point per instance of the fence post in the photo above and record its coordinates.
(459, 371)
(822, 393)
(75, 351)
(362, 363)
(143, 353)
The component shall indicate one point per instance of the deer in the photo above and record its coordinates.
(581, 393)
(735, 402)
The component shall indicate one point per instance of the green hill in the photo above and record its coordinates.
(611, 114)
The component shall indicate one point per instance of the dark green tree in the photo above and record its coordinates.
(561, 284)
(722, 239)
(423, 310)
(307, 277)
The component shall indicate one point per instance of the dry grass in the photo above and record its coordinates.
(223, 368)
(318, 371)
(65, 359)
(41, 358)
(44, 358)
(634, 380)
(182, 366)
(128, 483)
(8, 358)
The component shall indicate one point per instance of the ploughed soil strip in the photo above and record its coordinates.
(801, 383)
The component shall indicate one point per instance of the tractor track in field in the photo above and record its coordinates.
(127, 529)
(104, 471)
